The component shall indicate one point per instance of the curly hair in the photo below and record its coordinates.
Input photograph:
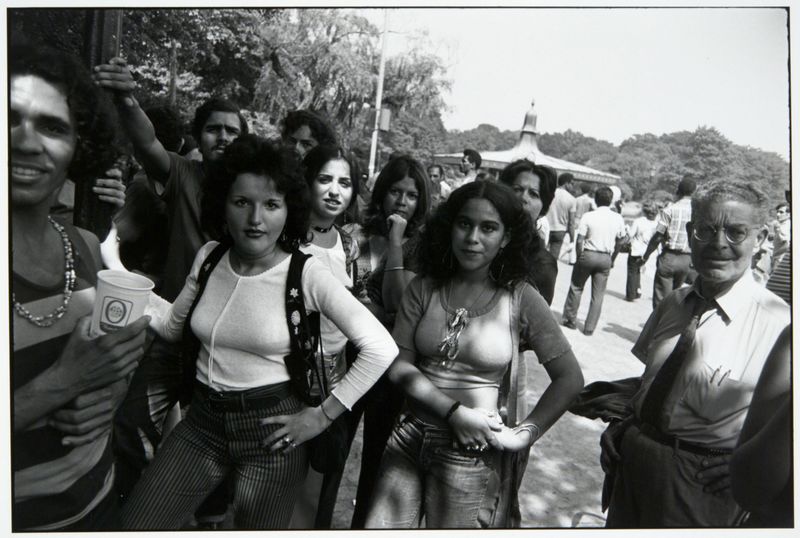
(320, 129)
(398, 168)
(94, 114)
(546, 175)
(512, 263)
(257, 155)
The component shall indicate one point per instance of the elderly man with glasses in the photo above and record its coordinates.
(703, 349)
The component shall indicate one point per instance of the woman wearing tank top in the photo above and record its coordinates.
(459, 329)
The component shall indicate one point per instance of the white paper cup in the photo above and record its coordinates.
(120, 299)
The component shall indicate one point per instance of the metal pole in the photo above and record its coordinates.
(102, 35)
(379, 95)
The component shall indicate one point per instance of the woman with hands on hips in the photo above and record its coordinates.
(245, 420)
(459, 329)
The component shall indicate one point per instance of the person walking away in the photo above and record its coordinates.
(640, 232)
(600, 233)
(585, 202)
(674, 262)
(561, 215)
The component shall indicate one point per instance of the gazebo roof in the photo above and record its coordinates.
(527, 148)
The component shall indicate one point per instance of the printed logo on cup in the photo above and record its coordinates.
(115, 313)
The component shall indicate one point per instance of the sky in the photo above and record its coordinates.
(610, 73)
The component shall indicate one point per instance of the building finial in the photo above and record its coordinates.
(530, 119)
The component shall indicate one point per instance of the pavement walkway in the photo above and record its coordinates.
(563, 480)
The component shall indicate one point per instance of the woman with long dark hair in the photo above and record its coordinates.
(459, 330)
(387, 261)
(332, 176)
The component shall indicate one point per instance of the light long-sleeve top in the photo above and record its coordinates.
(241, 324)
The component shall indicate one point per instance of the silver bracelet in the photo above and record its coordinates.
(398, 268)
(322, 408)
(532, 429)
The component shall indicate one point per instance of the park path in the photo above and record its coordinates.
(563, 481)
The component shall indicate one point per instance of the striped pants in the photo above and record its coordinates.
(201, 451)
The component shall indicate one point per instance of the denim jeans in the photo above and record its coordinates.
(590, 264)
(422, 475)
(205, 448)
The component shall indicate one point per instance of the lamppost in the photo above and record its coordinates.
(379, 95)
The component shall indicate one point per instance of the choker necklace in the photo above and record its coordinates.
(455, 326)
(322, 230)
(69, 285)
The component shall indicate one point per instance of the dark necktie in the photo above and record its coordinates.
(665, 377)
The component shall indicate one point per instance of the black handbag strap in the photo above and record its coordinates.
(191, 345)
(304, 337)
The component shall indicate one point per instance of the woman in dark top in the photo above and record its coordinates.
(388, 245)
(535, 186)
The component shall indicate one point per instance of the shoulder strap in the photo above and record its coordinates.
(514, 379)
(304, 336)
(350, 248)
(191, 345)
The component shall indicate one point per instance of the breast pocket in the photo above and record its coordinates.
(715, 396)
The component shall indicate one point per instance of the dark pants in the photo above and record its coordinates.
(672, 270)
(104, 517)
(590, 264)
(656, 486)
(634, 283)
(554, 245)
(139, 421)
(382, 404)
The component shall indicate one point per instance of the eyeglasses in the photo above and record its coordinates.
(734, 234)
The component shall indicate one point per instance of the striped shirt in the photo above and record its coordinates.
(54, 485)
(780, 281)
(672, 223)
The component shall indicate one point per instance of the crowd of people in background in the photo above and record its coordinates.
(295, 297)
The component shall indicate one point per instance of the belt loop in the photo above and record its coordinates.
(675, 445)
(243, 401)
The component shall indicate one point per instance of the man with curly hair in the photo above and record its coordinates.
(66, 384)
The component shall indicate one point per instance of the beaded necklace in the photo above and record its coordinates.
(69, 285)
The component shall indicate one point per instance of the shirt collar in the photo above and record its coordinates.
(736, 298)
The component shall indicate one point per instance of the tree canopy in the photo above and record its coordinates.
(271, 61)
